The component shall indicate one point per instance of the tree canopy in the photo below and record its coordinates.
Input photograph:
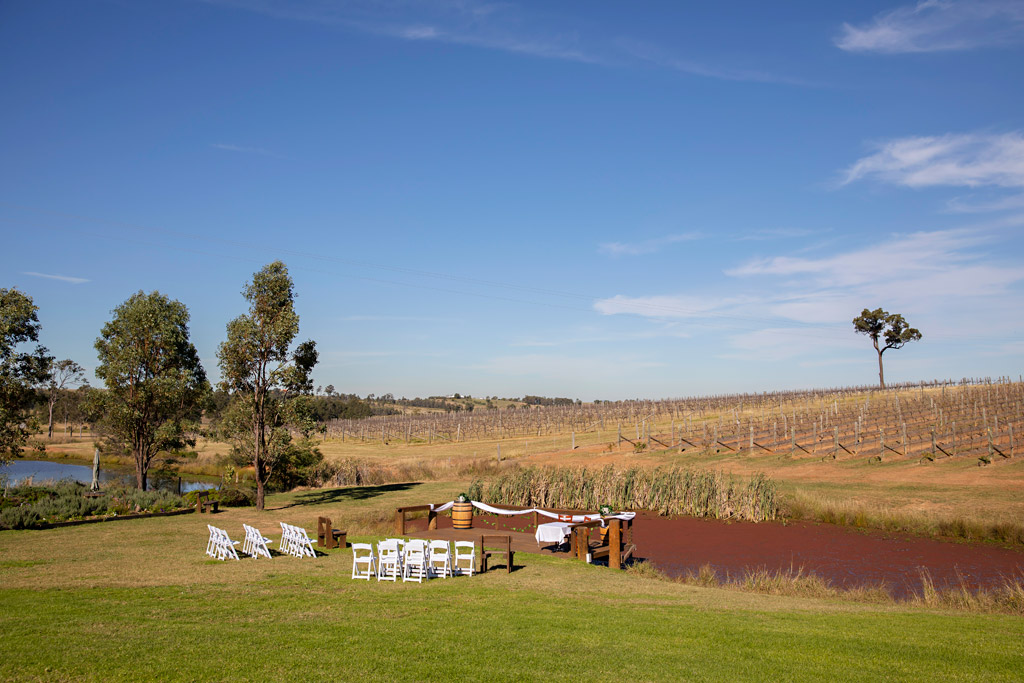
(156, 386)
(20, 371)
(267, 381)
(890, 327)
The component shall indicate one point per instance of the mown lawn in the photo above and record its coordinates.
(139, 600)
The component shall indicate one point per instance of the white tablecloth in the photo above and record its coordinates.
(552, 532)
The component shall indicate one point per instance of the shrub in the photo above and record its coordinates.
(30, 506)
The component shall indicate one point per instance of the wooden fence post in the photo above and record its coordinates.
(400, 522)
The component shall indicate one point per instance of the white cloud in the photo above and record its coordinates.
(646, 246)
(967, 160)
(938, 25)
(62, 278)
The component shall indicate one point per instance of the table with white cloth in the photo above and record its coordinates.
(552, 532)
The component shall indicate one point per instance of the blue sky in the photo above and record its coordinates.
(586, 199)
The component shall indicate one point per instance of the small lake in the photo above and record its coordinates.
(41, 470)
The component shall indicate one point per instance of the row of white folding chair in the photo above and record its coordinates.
(413, 560)
(220, 546)
(294, 541)
(255, 542)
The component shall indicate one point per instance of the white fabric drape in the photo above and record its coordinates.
(573, 519)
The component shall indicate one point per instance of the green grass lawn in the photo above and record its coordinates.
(139, 600)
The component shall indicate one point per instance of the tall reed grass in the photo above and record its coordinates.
(801, 506)
(666, 490)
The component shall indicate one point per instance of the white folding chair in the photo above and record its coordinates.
(362, 555)
(255, 543)
(225, 546)
(415, 561)
(286, 539)
(302, 544)
(465, 558)
(211, 545)
(439, 559)
(389, 561)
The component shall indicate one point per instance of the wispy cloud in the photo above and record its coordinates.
(777, 234)
(978, 205)
(964, 160)
(571, 369)
(949, 283)
(246, 150)
(659, 56)
(666, 306)
(502, 26)
(62, 278)
(937, 25)
(398, 318)
(646, 246)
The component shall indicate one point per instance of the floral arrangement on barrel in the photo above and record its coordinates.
(462, 498)
(605, 510)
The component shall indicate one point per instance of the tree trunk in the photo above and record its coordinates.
(881, 375)
(50, 430)
(259, 493)
(140, 471)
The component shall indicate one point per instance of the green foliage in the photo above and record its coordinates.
(893, 329)
(20, 371)
(269, 386)
(28, 506)
(231, 496)
(156, 386)
(669, 491)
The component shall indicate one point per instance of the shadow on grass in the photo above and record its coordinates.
(320, 497)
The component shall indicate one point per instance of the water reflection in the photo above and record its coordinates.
(40, 470)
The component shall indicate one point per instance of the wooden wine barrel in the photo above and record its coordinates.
(462, 515)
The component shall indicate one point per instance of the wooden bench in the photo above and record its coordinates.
(327, 537)
(493, 546)
(204, 504)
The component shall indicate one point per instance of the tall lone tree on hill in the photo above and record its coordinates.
(263, 377)
(20, 372)
(156, 386)
(891, 327)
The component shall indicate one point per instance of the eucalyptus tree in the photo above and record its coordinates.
(155, 385)
(890, 327)
(265, 377)
(20, 370)
(63, 374)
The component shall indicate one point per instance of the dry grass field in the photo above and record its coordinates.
(815, 478)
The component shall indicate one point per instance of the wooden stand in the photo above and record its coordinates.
(204, 504)
(499, 545)
(328, 537)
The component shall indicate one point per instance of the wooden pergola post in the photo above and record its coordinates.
(615, 545)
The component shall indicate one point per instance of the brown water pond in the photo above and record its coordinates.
(846, 557)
